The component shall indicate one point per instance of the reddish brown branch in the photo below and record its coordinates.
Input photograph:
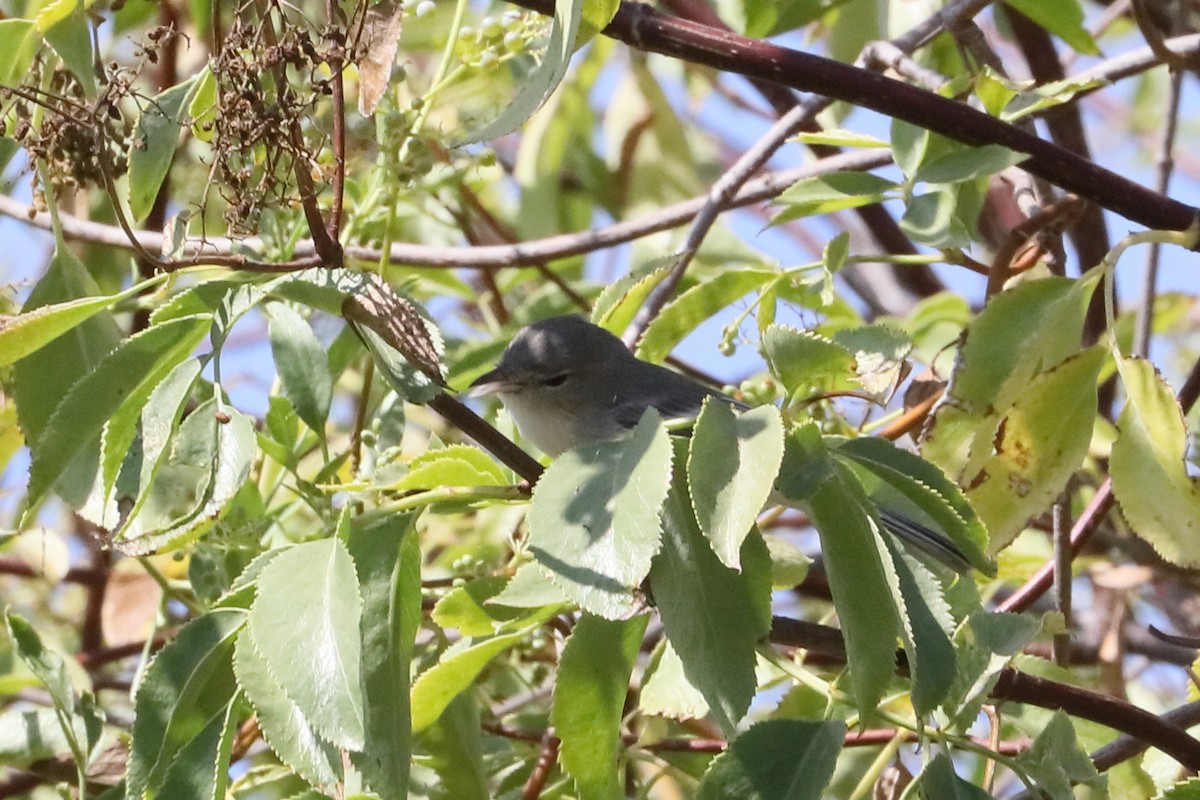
(643, 28)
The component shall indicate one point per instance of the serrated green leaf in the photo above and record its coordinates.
(70, 34)
(837, 191)
(712, 615)
(666, 691)
(456, 752)
(455, 465)
(594, 519)
(302, 366)
(1041, 442)
(387, 556)
(938, 781)
(776, 760)
(130, 371)
(1022, 331)
(916, 489)
(159, 419)
(155, 137)
(184, 687)
(856, 558)
(620, 300)
(214, 459)
(308, 602)
(732, 463)
(685, 313)
(589, 695)
(800, 358)
(437, 686)
(530, 587)
(879, 355)
(31, 330)
(925, 623)
(1057, 762)
(968, 163)
(284, 724)
(200, 770)
(1158, 497)
(470, 609)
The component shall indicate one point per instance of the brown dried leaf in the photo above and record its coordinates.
(377, 52)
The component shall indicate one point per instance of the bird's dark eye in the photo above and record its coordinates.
(556, 380)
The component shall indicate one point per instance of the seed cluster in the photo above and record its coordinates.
(267, 97)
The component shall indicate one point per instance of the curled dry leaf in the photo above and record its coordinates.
(377, 306)
(376, 52)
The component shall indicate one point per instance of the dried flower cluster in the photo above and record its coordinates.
(268, 90)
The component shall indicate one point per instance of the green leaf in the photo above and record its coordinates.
(619, 301)
(801, 358)
(1057, 762)
(1063, 18)
(222, 453)
(200, 769)
(387, 556)
(837, 191)
(18, 42)
(1150, 480)
(70, 34)
(302, 366)
(455, 751)
(916, 489)
(712, 615)
(879, 355)
(456, 669)
(594, 519)
(44, 377)
(938, 781)
(44, 663)
(545, 78)
(308, 602)
(130, 371)
(155, 137)
(589, 695)
(454, 465)
(776, 760)
(925, 622)
(284, 725)
(1022, 331)
(685, 313)
(839, 137)
(159, 419)
(857, 560)
(931, 219)
(470, 609)
(188, 683)
(530, 587)
(1041, 442)
(666, 691)
(732, 463)
(31, 330)
(968, 163)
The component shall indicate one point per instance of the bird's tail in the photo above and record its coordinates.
(927, 540)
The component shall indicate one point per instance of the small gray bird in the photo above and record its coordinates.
(567, 382)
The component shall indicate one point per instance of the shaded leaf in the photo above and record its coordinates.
(732, 463)
(302, 366)
(589, 695)
(824, 194)
(155, 137)
(685, 313)
(437, 686)
(776, 760)
(594, 519)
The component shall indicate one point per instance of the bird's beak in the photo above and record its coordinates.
(494, 382)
